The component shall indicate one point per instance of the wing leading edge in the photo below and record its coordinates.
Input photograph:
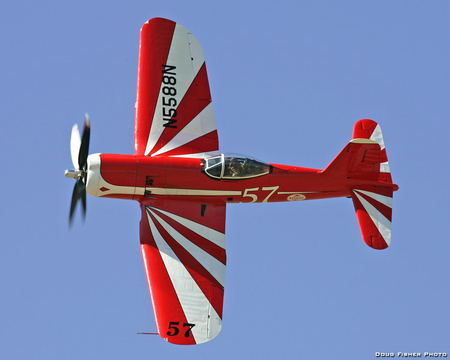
(183, 249)
(174, 113)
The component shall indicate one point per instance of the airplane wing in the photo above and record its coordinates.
(174, 113)
(183, 248)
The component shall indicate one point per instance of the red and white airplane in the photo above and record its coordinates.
(183, 183)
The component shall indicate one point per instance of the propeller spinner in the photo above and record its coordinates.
(79, 150)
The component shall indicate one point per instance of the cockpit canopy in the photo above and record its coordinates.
(234, 167)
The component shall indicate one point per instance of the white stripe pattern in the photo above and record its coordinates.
(194, 303)
(386, 200)
(212, 235)
(210, 263)
(193, 192)
(197, 127)
(202, 155)
(187, 55)
(377, 136)
(384, 167)
(179, 49)
(381, 222)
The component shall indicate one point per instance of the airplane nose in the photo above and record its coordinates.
(93, 174)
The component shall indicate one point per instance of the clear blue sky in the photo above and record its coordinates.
(288, 79)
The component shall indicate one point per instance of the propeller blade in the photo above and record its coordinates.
(75, 143)
(73, 204)
(84, 149)
(82, 195)
(79, 151)
(79, 193)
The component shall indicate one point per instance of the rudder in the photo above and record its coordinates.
(369, 129)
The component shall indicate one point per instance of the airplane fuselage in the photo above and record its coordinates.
(144, 177)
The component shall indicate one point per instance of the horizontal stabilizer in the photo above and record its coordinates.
(373, 205)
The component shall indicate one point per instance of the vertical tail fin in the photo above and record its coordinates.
(373, 202)
(369, 129)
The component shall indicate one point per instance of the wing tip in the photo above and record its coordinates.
(156, 20)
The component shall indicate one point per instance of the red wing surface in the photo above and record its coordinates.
(174, 113)
(183, 248)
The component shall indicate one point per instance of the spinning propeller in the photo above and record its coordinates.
(79, 150)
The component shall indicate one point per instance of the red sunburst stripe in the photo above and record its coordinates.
(383, 156)
(385, 210)
(155, 41)
(214, 217)
(370, 233)
(194, 101)
(205, 143)
(200, 275)
(212, 249)
(166, 305)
